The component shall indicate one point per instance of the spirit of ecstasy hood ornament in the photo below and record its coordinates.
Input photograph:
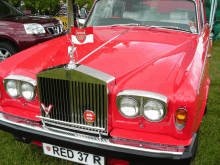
(71, 50)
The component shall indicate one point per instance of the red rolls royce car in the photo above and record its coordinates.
(133, 91)
(19, 32)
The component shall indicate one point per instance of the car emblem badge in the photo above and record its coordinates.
(48, 148)
(89, 116)
(46, 109)
(81, 35)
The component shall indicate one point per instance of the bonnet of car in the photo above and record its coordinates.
(10, 13)
(32, 19)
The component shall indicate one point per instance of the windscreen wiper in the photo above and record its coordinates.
(171, 27)
(129, 24)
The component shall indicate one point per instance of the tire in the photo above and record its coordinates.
(7, 50)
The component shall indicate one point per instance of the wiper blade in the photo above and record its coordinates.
(129, 24)
(170, 27)
(160, 27)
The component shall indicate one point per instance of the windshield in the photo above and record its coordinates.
(6, 10)
(179, 14)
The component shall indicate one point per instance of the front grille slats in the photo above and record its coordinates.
(74, 102)
(105, 118)
(71, 99)
(77, 98)
(101, 103)
(56, 102)
(54, 30)
(84, 100)
(81, 103)
(94, 97)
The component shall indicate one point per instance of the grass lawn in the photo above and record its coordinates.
(14, 152)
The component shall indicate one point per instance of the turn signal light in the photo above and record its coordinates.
(181, 116)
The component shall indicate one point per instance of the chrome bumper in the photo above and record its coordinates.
(91, 144)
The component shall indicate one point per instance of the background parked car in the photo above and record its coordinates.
(19, 32)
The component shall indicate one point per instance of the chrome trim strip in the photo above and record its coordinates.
(88, 140)
(212, 13)
(203, 68)
(202, 13)
(21, 78)
(68, 123)
(144, 94)
(106, 140)
(95, 73)
(101, 46)
(197, 16)
(71, 128)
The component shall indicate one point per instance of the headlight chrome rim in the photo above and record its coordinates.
(135, 100)
(164, 110)
(34, 91)
(19, 81)
(17, 87)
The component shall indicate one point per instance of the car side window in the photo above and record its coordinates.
(202, 15)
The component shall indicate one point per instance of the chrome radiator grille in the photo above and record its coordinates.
(71, 99)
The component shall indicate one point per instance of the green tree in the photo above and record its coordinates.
(42, 5)
(81, 3)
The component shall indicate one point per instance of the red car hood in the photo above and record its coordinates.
(156, 51)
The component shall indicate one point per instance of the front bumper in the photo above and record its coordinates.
(95, 145)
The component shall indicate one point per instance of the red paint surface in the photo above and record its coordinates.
(155, 60)
(36, 142)
(117, 162)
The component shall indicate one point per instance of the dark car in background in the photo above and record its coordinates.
(19, 31)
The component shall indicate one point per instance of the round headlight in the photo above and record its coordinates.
(129, 107)
(28, 91)
(154, 110)
(12, 88)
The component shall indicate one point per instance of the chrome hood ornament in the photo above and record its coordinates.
(72, 64)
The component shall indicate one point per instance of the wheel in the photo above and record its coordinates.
(7, 50)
